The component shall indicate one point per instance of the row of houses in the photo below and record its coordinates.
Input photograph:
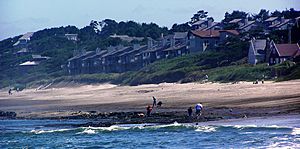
(245, 25)
(131, 58)
(263, 50)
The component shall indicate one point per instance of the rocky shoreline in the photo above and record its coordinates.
(106, 119)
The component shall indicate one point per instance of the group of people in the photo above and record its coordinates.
(149, 108)
(198, 109)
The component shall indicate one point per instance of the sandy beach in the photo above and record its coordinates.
(243, 98)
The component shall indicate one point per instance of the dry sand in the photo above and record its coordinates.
(283, 97)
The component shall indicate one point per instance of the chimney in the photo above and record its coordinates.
(246, 21)
(150, 43)
(209, 22)
(172, 41)
(282, 19)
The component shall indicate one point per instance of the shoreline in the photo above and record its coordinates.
(98, 119)
(110, 104)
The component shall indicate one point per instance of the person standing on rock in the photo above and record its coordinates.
(190, 111)
(154, 101)
(149, 109)
(198, 108)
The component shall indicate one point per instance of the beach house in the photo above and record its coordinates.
(257, 51)
(72, 37)
(283, 52)
(200, 41)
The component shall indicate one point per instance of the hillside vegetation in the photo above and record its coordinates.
(225, 63)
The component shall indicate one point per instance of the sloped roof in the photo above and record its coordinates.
(259, 44)
(81, 56)
(136, 50)
(199, 22)
(287, 49)
(208, 33)
(280, 23)
(213, 25)
(180, 46)
(96, 55)
(235, 20)
(249, 23)
(180, 35)
(29, 63)
(271, 19)
(213, 33)
(27, 36)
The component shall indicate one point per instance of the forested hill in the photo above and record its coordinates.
(53, 43)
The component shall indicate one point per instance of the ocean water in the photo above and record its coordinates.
(250, 133)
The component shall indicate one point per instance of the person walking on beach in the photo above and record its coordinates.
(154, 101)
(9, 92)
(149, 109)
(190, 111)
(198, 108)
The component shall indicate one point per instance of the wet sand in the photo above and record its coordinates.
(220, 100)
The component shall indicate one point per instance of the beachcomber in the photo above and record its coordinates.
(198, 108)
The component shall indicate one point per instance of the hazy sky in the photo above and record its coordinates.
(21, 16)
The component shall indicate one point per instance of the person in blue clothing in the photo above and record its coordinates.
(199, 108)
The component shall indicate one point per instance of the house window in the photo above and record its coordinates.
(179, 52)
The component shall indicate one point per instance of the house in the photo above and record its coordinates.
(24, 40)
(257, 51)
(92, 63)
(244, 25)
(175, 51)
(72, 37)
(128, 59)
(152, 54)
(206, 25)
(76, 65)
(199, 40)
(111, 60)
(283, 24)
(22, 52)
(283, 52)
(277, 23)
(34, 61)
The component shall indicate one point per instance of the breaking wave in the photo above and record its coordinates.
(174, 126)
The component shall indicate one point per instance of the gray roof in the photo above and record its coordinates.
(180, 46)
(96, 55)
(271, 19)
(249, 23)
(27, 36)
(116, 51)
(235, 20)
(199, 22)
(259, 44)
(180, 35)
(81, 56)
(136, 50)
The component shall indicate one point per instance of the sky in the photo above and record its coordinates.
(20, 16)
